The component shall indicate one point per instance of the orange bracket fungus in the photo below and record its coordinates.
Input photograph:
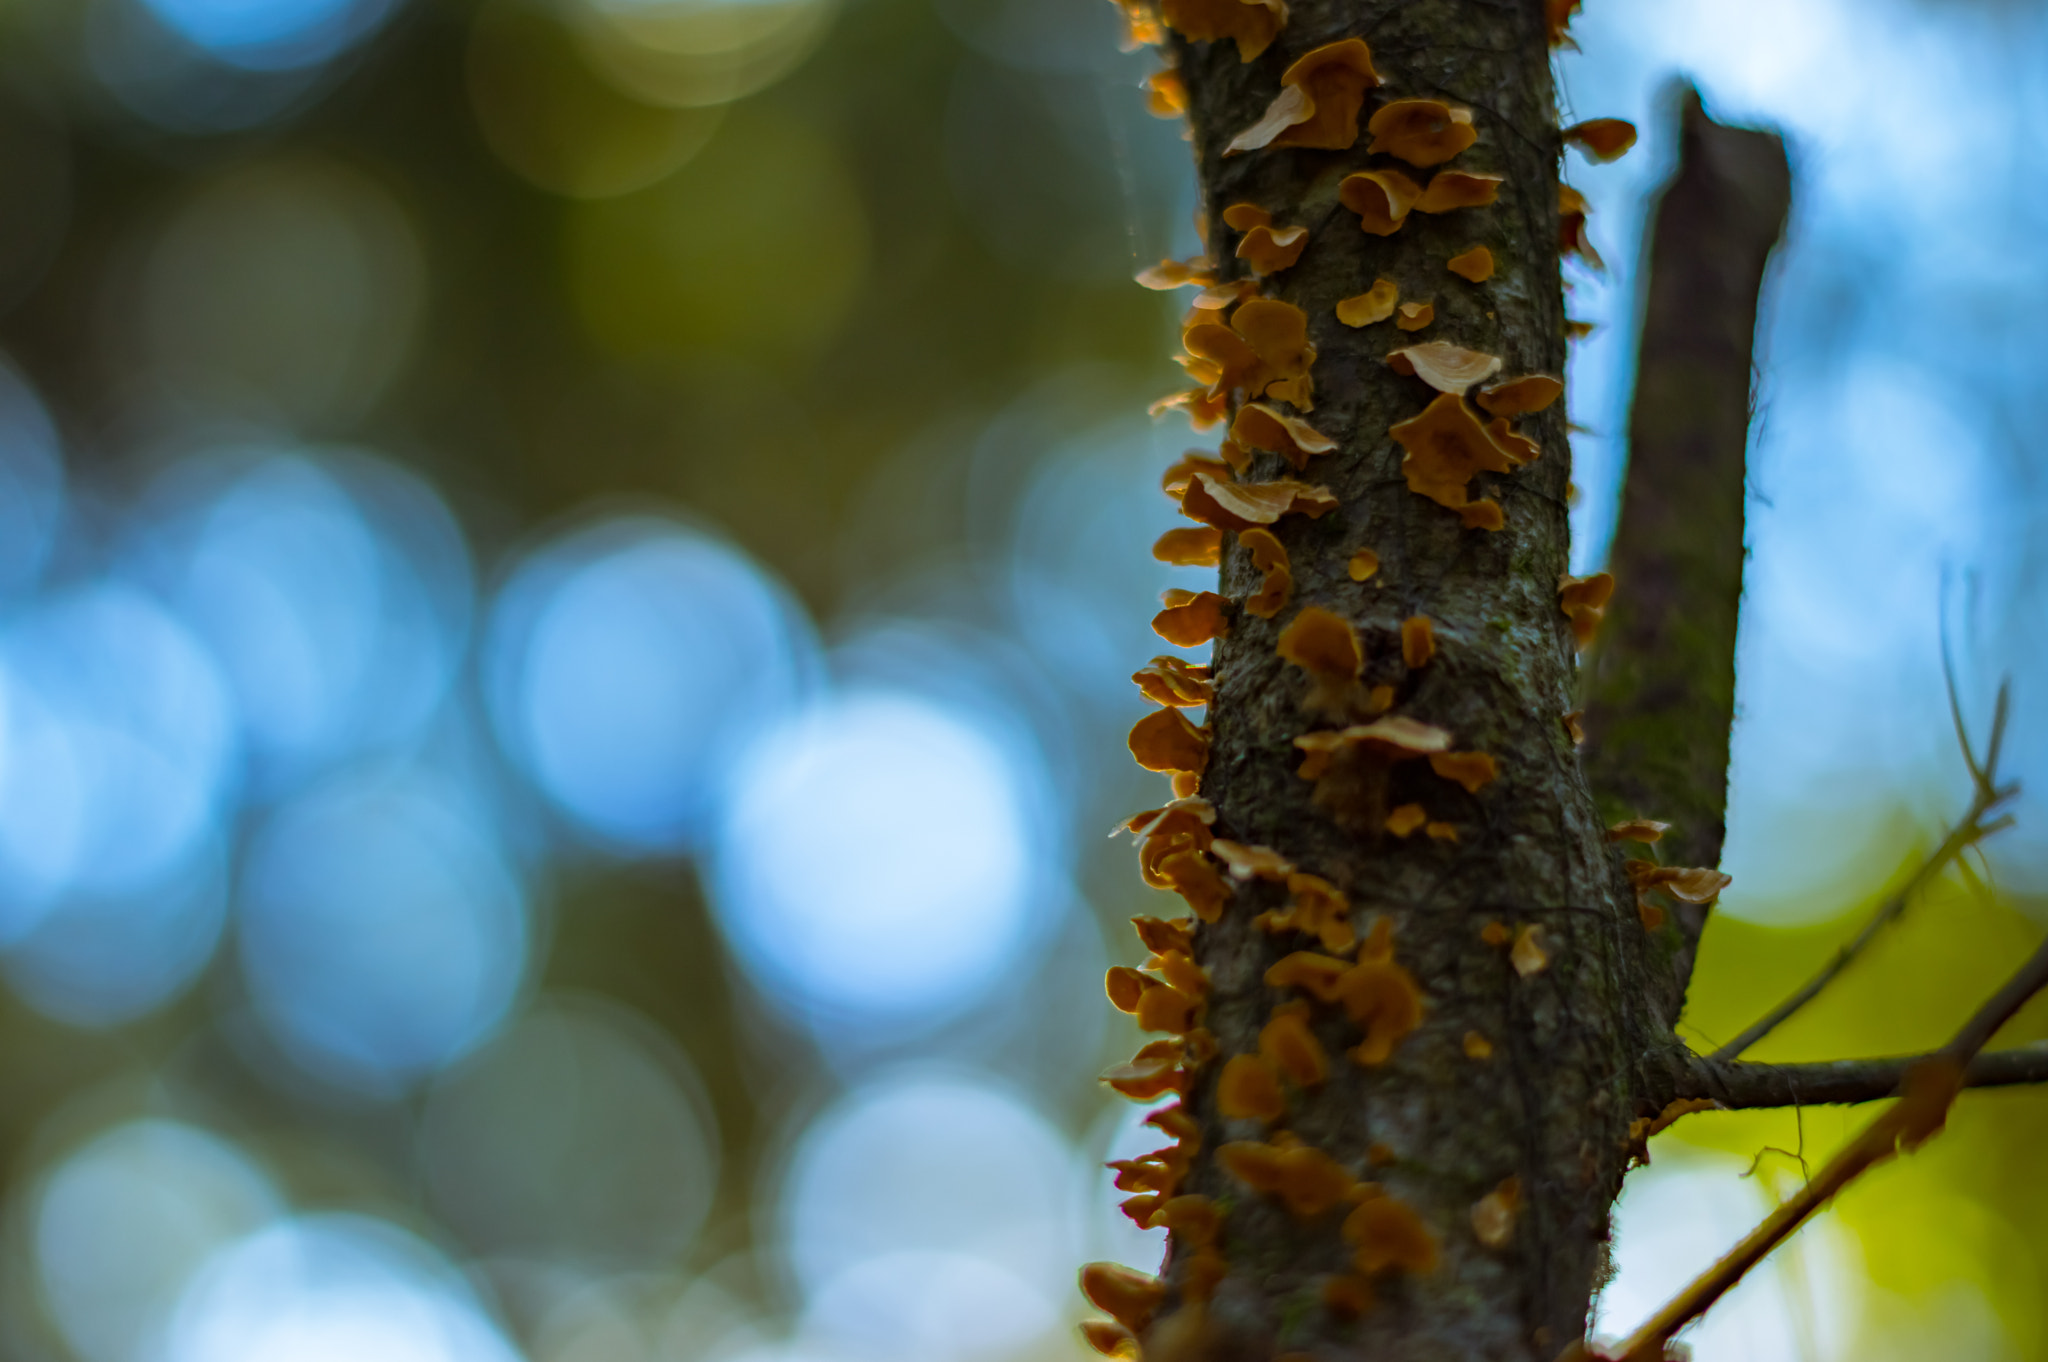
(1571, 229)
(1251, 24)
(1173, 274)
(1242, 217)
(1414, 316)
(1381, 198)
(1164, 740)
(1406, 819)
(1110, 1339)
(1388, 1237)
(1473, 770)
(1447, 368)
(1308, 1180)
(1326, 646)
(1446, 446)
(1450, 190)
(1277, 335)
(1602, 139)
(1692, 884)
(1127, 1296)
(1521, 396)
(1201, 547)
(1190, 619)
(1477, 1046)
(1320, 96)
(1269, 556)
(1557, 16)
(1166, 94)
(1350, 766)
(1418, 641)
(1252, 863)
(1475, 265)
(1584, 602)
(1315, 908)
(1259, 426)
(1573, 729)
(1493, 1215)
(1528, 955)
(1495, 933)
(1362, 565)
(1380, 996)
(1151, 1074)
(1241, 505)
(1173, 681)
(1174, 482)
(1290, 1048)
(1376, 304)
(1316, 975)
(1268, 251)
(1637, 830)
(1249, 1090)
(1422, 132)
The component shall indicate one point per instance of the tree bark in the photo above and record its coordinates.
(1551, 1106)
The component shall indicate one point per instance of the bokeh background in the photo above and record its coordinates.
(568, 573)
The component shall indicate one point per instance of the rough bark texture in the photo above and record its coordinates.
(1551, 1105)
(1660, 689)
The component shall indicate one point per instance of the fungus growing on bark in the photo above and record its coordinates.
(1259, 426)
(1140, 1208)
(1269, 250)
(1316, 908)
(1164, 740)
(1446, 367)
(1241, 505)
(1171, 681)
(1162, 1007)
(1110, 1339)
(1475, 265)
(1242, 217)
(1320, 96)
(1204, 408)
(1350, 766)
(1477, 1046)
(1406, 819)
(1528, 955)
(1557, 14)
(1602, 139)
(1362, 565)
(1127, 1296)
(1422, 132)
(1446, 446)
(1125, 986)
(1493, 1215)
(1380, 996)
(1291, 106)
(1182, 825)
(1482, 515)
(1495, 933)
(1573, 729)
(1309, 1181)
(1473, 770)
(1381, 198)
(1166, 94)
(1174, 482)
(1201, 547)
(1276, 333)
(1389, 1237)
(1251, 24)
(1250, 1090)
(1376, 304)
(1521, 396)
(1195, 878)
(1584, 602)
(1692, 884)
(1252, 862)
(1161, 936)
(1326, 646)
(1450, 190)
(1173, 274)
(1151, 1073)
(1418, 642)
(1578, 330)
(1269, 556)
(1441, 832)
(1290, 1048)
(1190, 619)
(1316, 975)
(1571, 230)
(1637, 830)
(1414, 316)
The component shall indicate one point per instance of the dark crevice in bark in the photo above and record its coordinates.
(1660, 685)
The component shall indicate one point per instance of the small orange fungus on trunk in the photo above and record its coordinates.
(1173, 274)
(1363, 565)
(1164, 740)
(1376, 304)
(1242, 217)
(1259, 426)
(1446, 447)
(1475, 265)
(1638, 830)
(1521, 396)
(1414, 316)
(1190, 619)
(1169, 680)
(1446, 367)
(1571, 229)
(1493, 1215)
(1422, 132)
(1418, 642)
(1251, 24)
(1473, 770)
(1584, 602)
(1326, 646)
(1110, 1339)
(1602, 139)
(1477, 1046)
(1269, 250)
(1252, 862)
(1450, 190)
(1380, 996)
(1406, 819)
(1269, 556)
(1287, 1044)
(1166, 94)
(1528, 955)
(1389, 1238)
(1202, 547)
(1127, 1296)
(1250, 1090)
(1381, 198)
(1241, 505)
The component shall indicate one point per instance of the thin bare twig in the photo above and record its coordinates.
(1927, 1090)
(1746, 1087)
(1986, 795)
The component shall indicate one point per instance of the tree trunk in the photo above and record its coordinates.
(1435, 1128)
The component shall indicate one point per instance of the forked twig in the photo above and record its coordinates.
(1929, 1088)
(1986, 795)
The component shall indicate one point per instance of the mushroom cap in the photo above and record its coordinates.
(1422, 132)
(1415, 316)
(1389, 1237)
(1277, 332)
(1322, 643)
(1262, 427)
(1363, 565)
(1376, 304)
(1239, 505)
(1192, 546)
(1190, 622)
(1164, 740)
(1173, 274)
(1381, 198)
(1166, 94)
(1177, 477)
(1637, 830)
(1528, 955)
(1124, 1294)
(1418, 642)
(1475, 265)
(1252, 862)
(1249, 1089)
(1473, 770)
(1336, 77)
(1252, 24)
(1242, 217)
(1522, 396)
(1450, 190)
(1513, 443)
(1269, 556)
(1445, 447)
(1602, 139)
(1406, 819)
(1482, 515)
(1176, 683)
(1109, 1338)
(1446, 367)
(1268, 250)
(1294, 104)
